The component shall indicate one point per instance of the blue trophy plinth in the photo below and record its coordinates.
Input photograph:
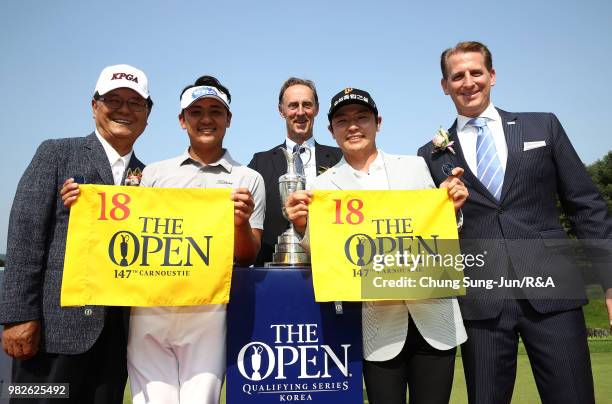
(284, 347)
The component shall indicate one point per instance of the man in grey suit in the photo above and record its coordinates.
(82, 346)
(517, 166)
(401, 339)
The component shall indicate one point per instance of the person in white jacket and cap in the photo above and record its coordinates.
(406, 344)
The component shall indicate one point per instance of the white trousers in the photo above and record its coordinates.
(177, 354)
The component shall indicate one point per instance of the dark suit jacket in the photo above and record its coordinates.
(36, 244)
(271, 164)
(522, 231)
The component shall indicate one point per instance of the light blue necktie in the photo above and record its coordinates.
(489, 168)
(299, 164)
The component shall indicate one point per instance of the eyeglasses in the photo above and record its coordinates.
(133, 104)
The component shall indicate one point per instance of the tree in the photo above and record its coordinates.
(601, 173)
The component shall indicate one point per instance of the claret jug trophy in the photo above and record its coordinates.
(288, 252)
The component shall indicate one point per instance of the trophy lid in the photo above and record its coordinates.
(293, 169)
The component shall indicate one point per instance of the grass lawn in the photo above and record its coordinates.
(525, 391)
(595, 312)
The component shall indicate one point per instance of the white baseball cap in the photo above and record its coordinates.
(193, 94)
(123, 76)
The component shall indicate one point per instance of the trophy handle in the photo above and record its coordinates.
(309, 156)
(288, 251)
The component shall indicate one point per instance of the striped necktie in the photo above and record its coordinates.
(489, 171)
(299, 164)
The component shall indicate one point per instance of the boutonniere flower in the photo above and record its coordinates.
(441, 141)
(133, 177)
(322, 169)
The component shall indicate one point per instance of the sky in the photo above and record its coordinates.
(552, 56)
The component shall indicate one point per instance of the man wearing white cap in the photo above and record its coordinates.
(84, 347)
(177, 354)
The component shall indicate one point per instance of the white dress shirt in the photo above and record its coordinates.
(376, 177)
(467, 136)
(308, 158)
(118, 163)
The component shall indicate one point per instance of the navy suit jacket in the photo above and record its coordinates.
(271, 164)
(38, 226)
(522, 232)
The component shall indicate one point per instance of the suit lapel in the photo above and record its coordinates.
(97, 156)
(132, 166)
(514, 140)
(279, 163)
(392, 169)
(323, 158)
(459, 157)
(343, 177)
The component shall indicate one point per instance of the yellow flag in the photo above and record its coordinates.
(384, 245)
(138, 246)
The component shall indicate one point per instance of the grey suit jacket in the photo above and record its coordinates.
(36, 244)
(521, 232)
(385, 323)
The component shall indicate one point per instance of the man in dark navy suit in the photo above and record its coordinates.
(517, 166)
(298, 104)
